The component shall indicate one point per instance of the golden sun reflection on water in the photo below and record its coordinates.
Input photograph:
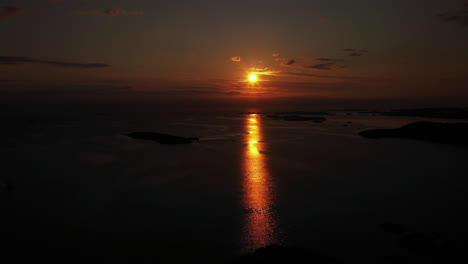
(260, 225)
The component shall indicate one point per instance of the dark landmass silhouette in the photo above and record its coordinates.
(162, 138)
(279, 254)
(253, 113)
(446, 133)
(301, 113)
(446, 113)
(316, 119)
(428, 246)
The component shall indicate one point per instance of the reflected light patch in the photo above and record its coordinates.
(260, 228)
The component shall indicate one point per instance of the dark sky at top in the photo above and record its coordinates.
(332, 48)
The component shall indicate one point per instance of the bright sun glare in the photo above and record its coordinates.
(253, 78)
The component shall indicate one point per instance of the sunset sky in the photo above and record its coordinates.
(208, 48)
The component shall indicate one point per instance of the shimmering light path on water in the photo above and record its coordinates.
(260, 225)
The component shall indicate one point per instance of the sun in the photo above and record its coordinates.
(252, 78)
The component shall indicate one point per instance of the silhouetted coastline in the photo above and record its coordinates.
(448, 133)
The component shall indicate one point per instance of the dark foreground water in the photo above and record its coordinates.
(74, 184)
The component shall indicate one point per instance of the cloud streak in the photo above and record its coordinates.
(107, 12)
(356, 52)
(9, 11)
(111, 12)
(461, 19)
(327, 66)
(328, 59)
(305, 74)
(320, 66)
(15, 60)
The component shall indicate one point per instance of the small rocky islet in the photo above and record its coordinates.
(445, 133)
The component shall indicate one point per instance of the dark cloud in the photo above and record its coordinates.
(460, 17)
(86, 93)
(193, 91)
(106, 12)
(321, 66)
(90, 88)
(9, 11)
(450, 18)
(305, 87)
(356, 51)
(33, 89)
(15, 60)
(328, 64)
(110, 12)
(328, 59)
(304, 74)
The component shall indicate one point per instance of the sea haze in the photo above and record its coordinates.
(78, 183)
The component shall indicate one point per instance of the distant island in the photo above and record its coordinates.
(444, 113)
(316, 119)
(162, 138)
(447, 133)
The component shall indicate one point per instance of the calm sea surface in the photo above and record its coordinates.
(249, 182)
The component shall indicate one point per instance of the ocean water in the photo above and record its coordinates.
(77, 182)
